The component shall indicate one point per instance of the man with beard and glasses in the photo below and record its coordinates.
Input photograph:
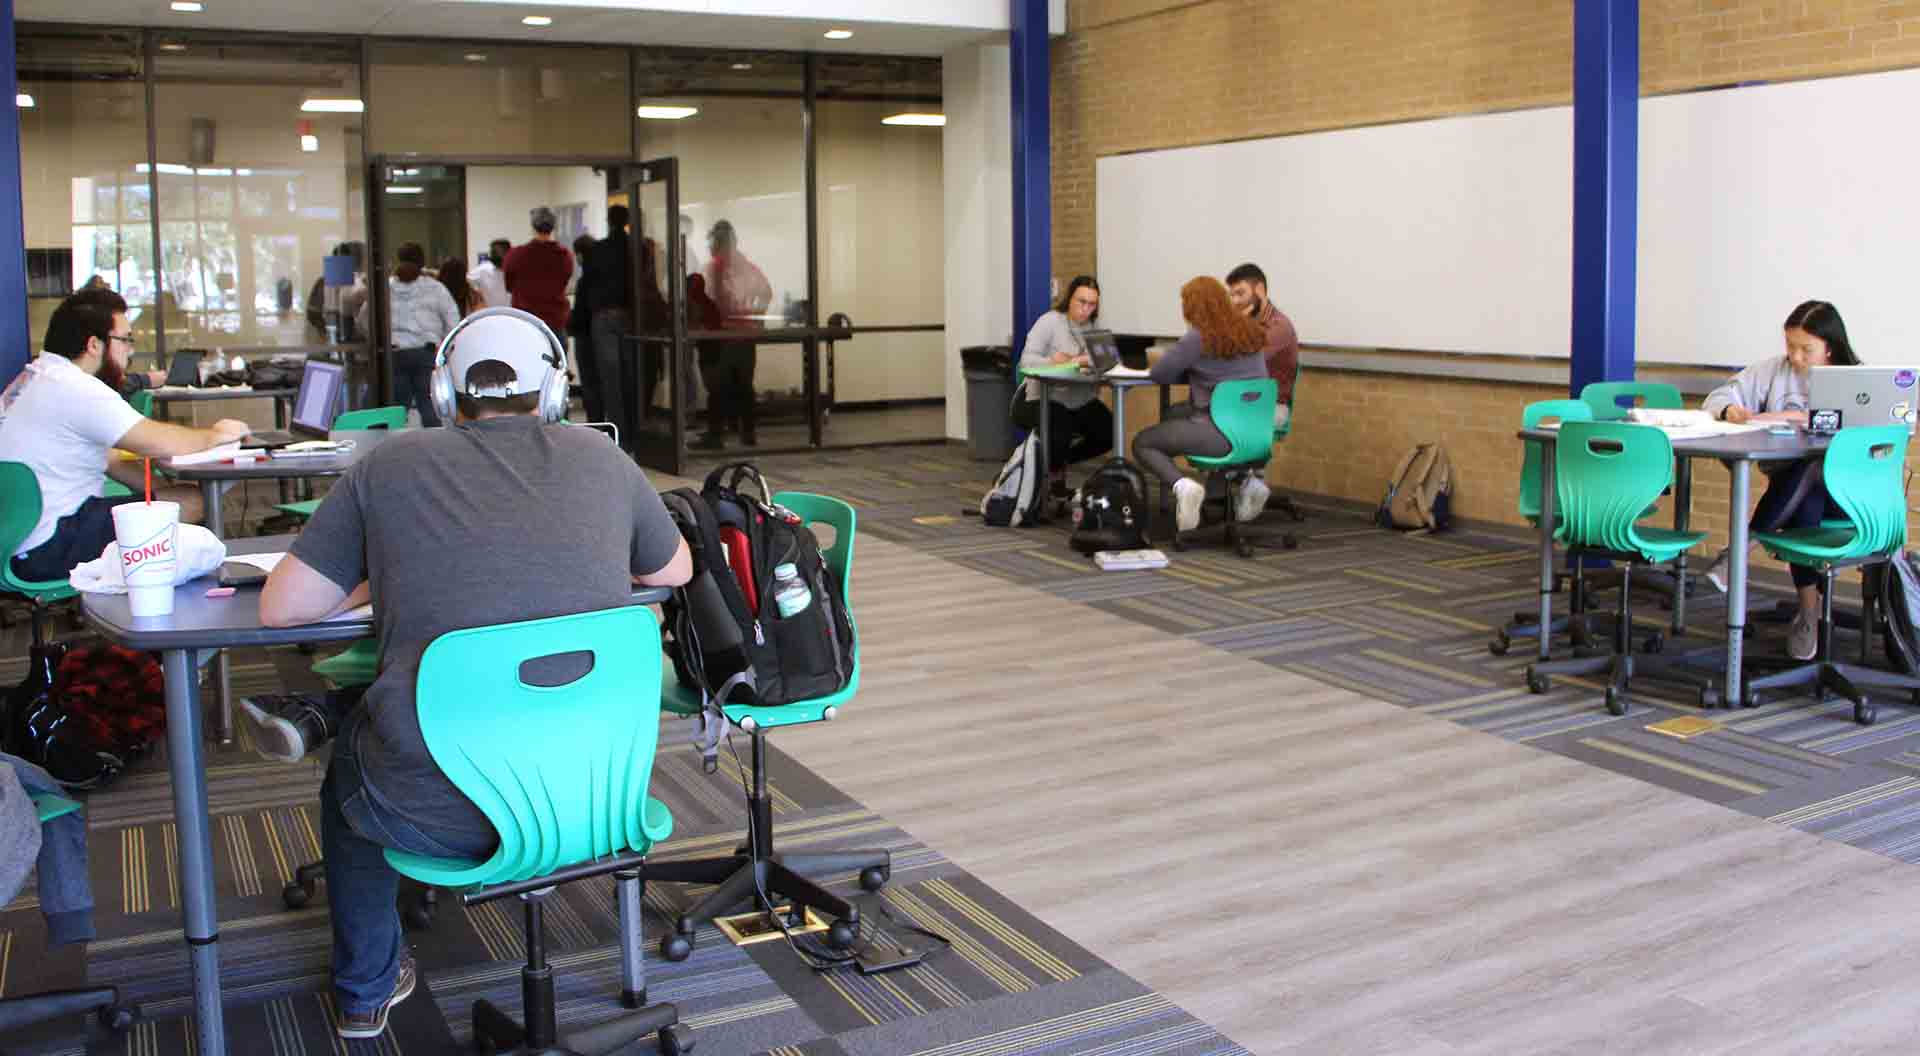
(1247, 288)
(62, 416)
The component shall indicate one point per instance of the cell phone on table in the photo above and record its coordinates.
(1783, 429)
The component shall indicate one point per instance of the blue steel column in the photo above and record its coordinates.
(1606, 135)
(14, 342)
(1032, 166)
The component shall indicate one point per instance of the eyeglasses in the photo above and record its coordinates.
(128, 338)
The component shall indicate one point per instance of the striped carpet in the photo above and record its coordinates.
(1406, 619)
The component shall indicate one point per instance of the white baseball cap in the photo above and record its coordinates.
(516, 338)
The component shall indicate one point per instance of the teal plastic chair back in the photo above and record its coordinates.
(48, 806)
(1533, 450)
(19, 512)
(560, 771)
(142, 401)
(1243, 412)
(372, 418)
(1864, 468)
(1603, 398)
(1605, 476)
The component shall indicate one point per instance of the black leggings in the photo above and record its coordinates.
(1076, 433)
(1796, 499)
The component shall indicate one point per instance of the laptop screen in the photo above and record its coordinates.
(319, 396)
(185, 368)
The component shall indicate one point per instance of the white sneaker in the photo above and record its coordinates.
(1188, 494)
(1717, 572)
(1803, 638)
(1252, 500)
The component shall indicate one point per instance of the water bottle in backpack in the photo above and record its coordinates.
(790, 593)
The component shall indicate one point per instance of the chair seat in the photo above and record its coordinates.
(656, 824)
(1813, 546)
(1216, 464)
(1657, 545)
(299, 509)
(683, 701)
(358, 665)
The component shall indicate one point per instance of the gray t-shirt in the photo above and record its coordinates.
(488, 522)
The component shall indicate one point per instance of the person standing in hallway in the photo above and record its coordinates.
(420, 313)
(537, 273)
(1247, 288)
(742, 292)
(580, 331)
(488, 278)
(607, 294)
(465, 296)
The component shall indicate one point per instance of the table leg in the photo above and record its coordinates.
(1166, 490)
(1736, 579)
(280, 407)
(185, 767)
(1547, 496)
(222, 676)
(1119, 421)
(1682, 506)
(1040, 445)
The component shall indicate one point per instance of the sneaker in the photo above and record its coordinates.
(1188, 494)
(1252, 499)
(1717, 572)
(1803, 638)
(286, 728)
(373, 1022)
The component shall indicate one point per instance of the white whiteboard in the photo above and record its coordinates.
(1456, 234)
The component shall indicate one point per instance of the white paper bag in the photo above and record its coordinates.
(199, 553)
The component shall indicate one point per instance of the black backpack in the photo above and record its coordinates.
(1897, 585)
(724, 631)
(1108, 510)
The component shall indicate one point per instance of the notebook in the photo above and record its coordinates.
(1129, 560)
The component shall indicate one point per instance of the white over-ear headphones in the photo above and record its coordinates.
(553, 384)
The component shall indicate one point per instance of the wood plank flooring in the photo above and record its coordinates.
(1315, 872)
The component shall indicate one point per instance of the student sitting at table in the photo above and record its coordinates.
(1221, 344)
(506, 516)
(1775, 390)
(1079, 426)
(63, 414)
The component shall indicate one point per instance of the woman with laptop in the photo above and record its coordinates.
(1775, 390)
(1079, 425)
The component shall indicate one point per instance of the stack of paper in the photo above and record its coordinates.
(1129, 560)
(1121, 370)
(227, 452)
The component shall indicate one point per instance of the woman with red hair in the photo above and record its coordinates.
(1220, 344)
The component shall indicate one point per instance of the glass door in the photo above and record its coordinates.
(661, 380)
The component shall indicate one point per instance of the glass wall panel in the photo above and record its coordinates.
(83, 148)
(259, 172)
(494, 100)
(882, 237)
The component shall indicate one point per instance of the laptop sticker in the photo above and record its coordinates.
(1903, 379)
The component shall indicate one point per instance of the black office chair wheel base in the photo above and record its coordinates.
(1243, 548)
(874, 877)
(1865, 713)
(1709, 697)
(842, 935)
(1617, 701)
(1749, 697)
(676, 1039)
(1500, 644)
(1655, 643)
(118, 1018)
(1536, 682)
(676, 947)
(1179, 544)
(296, 895)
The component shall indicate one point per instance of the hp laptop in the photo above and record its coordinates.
(1842, 397)
(185, 369)
(314, 407)
(1102, 349)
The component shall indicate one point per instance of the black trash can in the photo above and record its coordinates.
(989, 373)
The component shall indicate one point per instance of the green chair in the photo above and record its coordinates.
(1863, 469)
(1527, 624)
(142, 401)
(1604, 397)
(561, 770)
(1243, 412)
(19, 512)
(369, 418)
(1605, 476)
(357, 665)
(756, 870)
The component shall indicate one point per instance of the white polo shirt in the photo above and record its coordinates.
(61, 421)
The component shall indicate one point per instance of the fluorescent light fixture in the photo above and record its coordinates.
(838, 34)
(536, 20)
(167, 168)
(666, 113)
(406, 190)
(213, 172)
(924, 120)
(173, 46)
(23, 101)
(309, 143)
(406, 172)
(333, 106)
(188, 7)
(743, 65)
(474, 56)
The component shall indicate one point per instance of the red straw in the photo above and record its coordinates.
(149, 463)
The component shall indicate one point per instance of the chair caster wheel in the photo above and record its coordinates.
(841, 935)
(296, 896)
(1865, 713)
(1709, 697)
(118, 1018)
(1500, 644)
(1616, 701)
(874, 877)
(676, 1039)
(1655, 643)
(676, 947)
(1179, 544)
(1537, 683)
(1244, 549)
(1749, 698)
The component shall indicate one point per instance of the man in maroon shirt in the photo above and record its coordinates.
(1247, 288)
(537, 273)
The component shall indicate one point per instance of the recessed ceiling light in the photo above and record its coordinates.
(23, 101)
(474, 56)
(666, 113)
(406, 190)
(743, 65)
(189, 7)
(333, 106)
(924, 120)
(172, 46)
(537, 20)
(838, 34)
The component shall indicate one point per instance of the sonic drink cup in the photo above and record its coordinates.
(149, 535)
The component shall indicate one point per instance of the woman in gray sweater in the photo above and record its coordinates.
(1080, 426)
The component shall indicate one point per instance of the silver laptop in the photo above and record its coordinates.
(1843, 397)
(1103, 350)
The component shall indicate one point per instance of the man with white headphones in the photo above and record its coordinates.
(511, 514)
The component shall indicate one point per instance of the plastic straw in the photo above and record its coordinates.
(149, 463)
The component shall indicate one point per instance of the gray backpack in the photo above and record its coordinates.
(1014, 501)
(1897, 586)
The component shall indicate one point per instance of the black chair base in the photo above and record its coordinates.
(1242, 538)
(102, 1002)
(416, 912)
(1852, 682)
(756, 872)
(1621, 664)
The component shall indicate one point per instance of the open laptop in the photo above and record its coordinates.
(314, 406)
(1842, 397)
(185, 369)
(1103, 350)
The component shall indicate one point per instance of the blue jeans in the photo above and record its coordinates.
(355, 830)
(1796, 499)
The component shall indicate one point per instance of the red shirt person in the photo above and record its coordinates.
(537, 273)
